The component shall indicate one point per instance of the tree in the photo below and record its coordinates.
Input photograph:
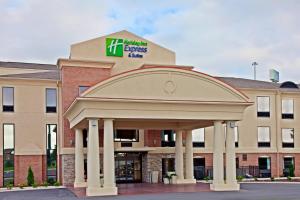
(30, 177)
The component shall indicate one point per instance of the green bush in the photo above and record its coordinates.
(289, 178)
(206, 178)
(272, 179)
(51, 181)
(56, 184)
(9, 186)
(45, 184)
(34, 185)
(21, 186)
(291, 170)
(239, 178)
(255, 179)
(30, 177)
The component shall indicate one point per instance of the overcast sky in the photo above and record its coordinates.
(218, 38)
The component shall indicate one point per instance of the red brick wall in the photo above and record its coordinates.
(208, 158)
(296, 164)
(1, 171)
(22, 163)
(152, 138)
(72, 78)
(252, 159)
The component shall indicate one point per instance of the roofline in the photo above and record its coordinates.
(87, 63)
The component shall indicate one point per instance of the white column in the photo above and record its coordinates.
(230, 156)
(79, 159)
(109, 158)
(93, 161)
(189, 162)
(179, 156)
(218, 165)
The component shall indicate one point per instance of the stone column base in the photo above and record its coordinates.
(80, 184)
(225, 187)
(105, 191)
(186, 181)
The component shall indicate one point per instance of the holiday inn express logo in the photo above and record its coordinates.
(114, 47)
(134, 49)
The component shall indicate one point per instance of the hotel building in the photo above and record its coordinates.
(119, 110)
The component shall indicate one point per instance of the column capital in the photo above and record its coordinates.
(108, 119)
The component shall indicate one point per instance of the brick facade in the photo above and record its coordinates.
(38, 165)
(72, 78)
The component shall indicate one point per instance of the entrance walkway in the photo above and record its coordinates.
(147, 188)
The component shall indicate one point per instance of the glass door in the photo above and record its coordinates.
(128, 167)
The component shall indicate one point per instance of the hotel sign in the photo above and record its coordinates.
(117, 47)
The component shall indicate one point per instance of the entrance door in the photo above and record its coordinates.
(264, 164)
(288, 166)
(128, 167)
(199, 168)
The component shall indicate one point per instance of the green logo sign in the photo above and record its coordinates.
(132, 48)
(114, 47)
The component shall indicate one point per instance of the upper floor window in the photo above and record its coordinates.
(263, 137)
(198, 136)
(51, 100)
(82, 89)
(263, 106)
(126, 135)
(287, 107)
(287, 137)
(168, 138)
(8, 99)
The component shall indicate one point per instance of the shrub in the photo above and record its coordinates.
(45, 184)
(289, 178)
(34, 185)
(255, 179)
(239, 178)
(206, 178)
(56, 184)
(30, 177)
(291, 170)
(272, 179)
(9, 186)
(21, 186)
(51, 181)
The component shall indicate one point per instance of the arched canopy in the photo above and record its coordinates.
(159, 93)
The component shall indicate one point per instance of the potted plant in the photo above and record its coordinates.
(173, 178)
(166, 179)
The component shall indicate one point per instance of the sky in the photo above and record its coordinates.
(221, 38)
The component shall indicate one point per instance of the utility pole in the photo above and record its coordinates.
(254, 64)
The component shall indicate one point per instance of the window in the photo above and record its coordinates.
(126, 135)
(236, 135)
(8, 99)
(263, 136)
(82, 89)
(51, 100)
(263, 106)
(168, 138)
(8, 154)
(287, 107)
(198, 136)
(51, 153)
(287, 137)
